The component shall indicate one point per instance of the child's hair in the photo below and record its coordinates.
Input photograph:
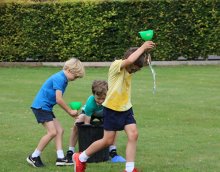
(75, 66)
(140, 61)
(99, 87)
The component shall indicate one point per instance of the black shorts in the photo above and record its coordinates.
(43, 115)
(116, 121)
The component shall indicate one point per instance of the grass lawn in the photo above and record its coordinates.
(179, 126)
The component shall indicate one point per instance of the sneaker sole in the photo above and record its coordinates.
(30, 162)
(69, 163)
(60, 163)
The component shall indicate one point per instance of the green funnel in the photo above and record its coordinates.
(75, 105)
(147, 35)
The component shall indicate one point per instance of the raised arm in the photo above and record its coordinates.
(147, 46)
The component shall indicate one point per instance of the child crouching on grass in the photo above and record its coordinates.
(91, 110)
(118, 113)
(50, 94)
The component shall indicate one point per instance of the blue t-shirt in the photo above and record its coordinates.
(46, 96)
(91, 107)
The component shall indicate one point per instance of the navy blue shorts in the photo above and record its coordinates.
(43, 115)
(116, 121)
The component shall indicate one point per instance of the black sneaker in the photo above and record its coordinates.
(36, 161)
(113, 153)
(61, 161)
(68, 157)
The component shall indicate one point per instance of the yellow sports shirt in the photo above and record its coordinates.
(119, 88)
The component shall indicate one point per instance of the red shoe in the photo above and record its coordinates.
(78, 165)
(134, 170)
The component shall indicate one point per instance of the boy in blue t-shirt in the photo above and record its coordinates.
(50, 94)
(92, 109)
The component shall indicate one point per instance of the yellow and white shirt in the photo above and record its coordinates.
(119, 88)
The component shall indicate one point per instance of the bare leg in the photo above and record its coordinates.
(115, 139)
(74, 131)
(51, 133)
(59, 136)
(132, 134)
(107, 140)
(73, 136)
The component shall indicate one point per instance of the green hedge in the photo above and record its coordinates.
(102, 31)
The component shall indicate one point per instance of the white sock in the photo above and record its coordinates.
(36, 153)
(83, 157)
(129, 166)
(60, 154)
(72, 149)
(112, 147)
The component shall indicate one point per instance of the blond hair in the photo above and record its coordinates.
(75, 66)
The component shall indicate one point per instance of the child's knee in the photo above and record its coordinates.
(136, 135)
(133, 135)
(52, 133)
(108, 142)
(60, 131)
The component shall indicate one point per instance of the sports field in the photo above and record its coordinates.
(179, 126)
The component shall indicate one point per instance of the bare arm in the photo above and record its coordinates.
(87, 119)
(63, 105)
(148, 45)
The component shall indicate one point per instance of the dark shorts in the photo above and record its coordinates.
(116, 121)
(43, 115)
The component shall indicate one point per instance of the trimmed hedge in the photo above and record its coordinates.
(102, 31)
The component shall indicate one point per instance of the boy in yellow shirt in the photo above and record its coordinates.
(118, 113)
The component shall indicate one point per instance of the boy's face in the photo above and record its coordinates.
(71, 76)
(99, 99)
(133, 68)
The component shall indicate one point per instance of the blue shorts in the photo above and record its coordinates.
(116, 121)
(43, 115)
